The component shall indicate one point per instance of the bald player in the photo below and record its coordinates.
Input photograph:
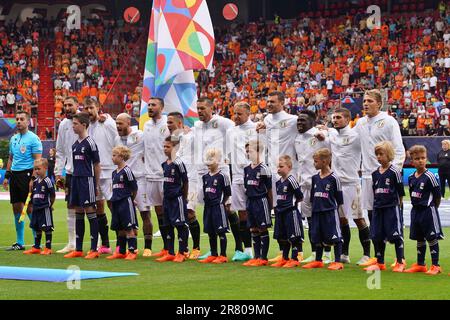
(133, 139)
(237, 137)
(210, 132)
(374, 127)
(175, 124)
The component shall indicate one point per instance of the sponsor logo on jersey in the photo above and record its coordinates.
(415, 194)
(381, 190)
(211, 190)
(321, 195)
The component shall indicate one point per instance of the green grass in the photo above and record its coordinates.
(192, 280)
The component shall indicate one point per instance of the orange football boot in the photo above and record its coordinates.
(336, 266)
(33, 250)
(162, 253)
(220, 259)
(416, 268)
(434, 270)
(92, 255)
(167, 257)
(180, 257)
(46, 252)
(208, 260)
(313, 265)
(260, 263)
(74, 254)
(291, 263)
(132, 255)
(249, 262)
(116, 255)
(279, 263)
(399, 267)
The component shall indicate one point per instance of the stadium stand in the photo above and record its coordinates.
(324, 58)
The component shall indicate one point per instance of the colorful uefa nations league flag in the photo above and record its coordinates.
(181, 38)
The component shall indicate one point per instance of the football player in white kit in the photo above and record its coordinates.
(66, 138)
(237, 137)
(155, 132)
(133, 138)
(185, 136)
(374, 127)
(210, 132)
(105, 135)
(279, 130)
(346, 149)
(308, 140)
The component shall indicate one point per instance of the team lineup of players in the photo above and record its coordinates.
(240, 171)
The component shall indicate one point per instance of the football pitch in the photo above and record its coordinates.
(192, 280)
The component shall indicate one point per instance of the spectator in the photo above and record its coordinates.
(412, 123)
(11, 102)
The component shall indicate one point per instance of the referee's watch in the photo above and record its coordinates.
(8, 175)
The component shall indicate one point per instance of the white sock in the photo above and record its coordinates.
(71, 227)
(249, 251)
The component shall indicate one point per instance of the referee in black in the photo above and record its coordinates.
(24, 148)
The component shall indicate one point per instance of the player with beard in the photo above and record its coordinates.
(175, 124)
(209, 133)
(66, 138)
(279, 130)
(105, 135)
(155, 132)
